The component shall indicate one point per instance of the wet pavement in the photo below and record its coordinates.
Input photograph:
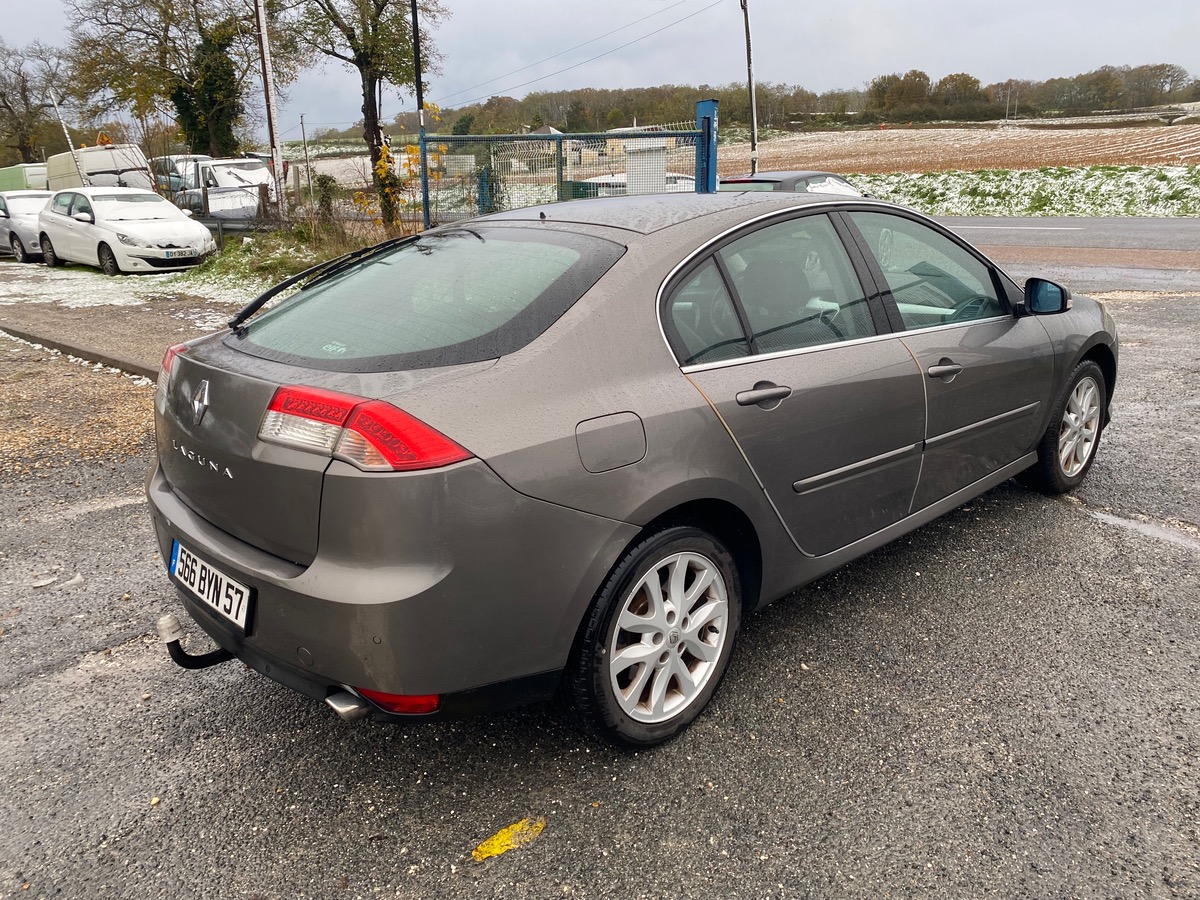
(1003, 704)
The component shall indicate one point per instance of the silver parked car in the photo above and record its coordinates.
(570, 447)
(19, 223)
(798, 181)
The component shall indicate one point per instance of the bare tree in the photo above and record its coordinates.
(26, 75)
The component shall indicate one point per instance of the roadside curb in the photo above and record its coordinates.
(91, 355)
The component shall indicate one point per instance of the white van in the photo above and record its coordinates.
(110, 165)
(231, 186)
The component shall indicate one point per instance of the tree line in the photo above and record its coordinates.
(183, 75)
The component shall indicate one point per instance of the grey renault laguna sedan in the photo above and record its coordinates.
(566, 449)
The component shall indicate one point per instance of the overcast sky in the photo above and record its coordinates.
(820, 46)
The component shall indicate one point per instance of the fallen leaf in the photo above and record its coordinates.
(515, 835)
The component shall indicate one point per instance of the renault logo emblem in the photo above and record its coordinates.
(200, 402)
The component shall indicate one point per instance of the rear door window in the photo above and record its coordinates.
(797, 286)
(444, 298)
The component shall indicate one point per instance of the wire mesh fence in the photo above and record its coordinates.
(470, 175)
(474, 174)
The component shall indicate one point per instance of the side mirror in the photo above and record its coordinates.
(3, 213)
(187, 212)
(1044, 297)
(85, 217)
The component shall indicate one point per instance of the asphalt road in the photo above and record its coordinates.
(1004, 704)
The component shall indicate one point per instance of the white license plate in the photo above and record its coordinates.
(180, 254)
(212, 587)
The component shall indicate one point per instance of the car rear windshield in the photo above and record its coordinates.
(444, 298)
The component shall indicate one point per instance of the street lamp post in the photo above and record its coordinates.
(753, 104)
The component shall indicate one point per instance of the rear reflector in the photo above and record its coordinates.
(370, 434)
(403, 703)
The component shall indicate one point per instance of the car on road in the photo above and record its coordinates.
(802, 182)
(19, 223)
(120, 230)
(569, 448)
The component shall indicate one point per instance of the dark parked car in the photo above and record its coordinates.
(570, 447)
(797, 182)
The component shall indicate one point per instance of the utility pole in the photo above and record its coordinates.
(312, 206)
(416, 39)
(753, 104)
(268, 77)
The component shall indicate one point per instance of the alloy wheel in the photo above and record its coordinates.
(668, 639)
(1080, 427)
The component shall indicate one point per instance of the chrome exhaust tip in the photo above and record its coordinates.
(350, 707)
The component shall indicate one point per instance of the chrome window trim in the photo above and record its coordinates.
(784, 354)
(946, 326)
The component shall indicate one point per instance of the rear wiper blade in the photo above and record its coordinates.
(317, 273)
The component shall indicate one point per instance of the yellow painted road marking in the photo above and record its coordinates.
(515, 835)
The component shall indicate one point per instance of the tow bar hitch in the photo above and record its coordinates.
(170, 632)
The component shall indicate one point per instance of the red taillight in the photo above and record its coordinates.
(168, 363)
(403, 703)
(370, 434)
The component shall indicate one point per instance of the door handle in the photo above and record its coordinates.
(764, 394)
(945, 369)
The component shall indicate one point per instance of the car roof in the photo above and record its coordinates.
(647, 213)
(778, 176)
(27, 192)
(100, 189)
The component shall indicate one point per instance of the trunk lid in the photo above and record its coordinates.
(263, 493)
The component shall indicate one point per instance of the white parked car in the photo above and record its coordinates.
(19, 223)
(120, 230)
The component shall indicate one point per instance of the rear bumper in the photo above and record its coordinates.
(477, 600)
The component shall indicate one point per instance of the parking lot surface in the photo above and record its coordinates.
(1005, 703)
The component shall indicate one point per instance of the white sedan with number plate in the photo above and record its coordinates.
(120, 230)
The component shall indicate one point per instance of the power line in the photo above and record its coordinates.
(596, 57)
(568, 50)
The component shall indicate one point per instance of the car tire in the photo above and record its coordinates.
(1068, 448)
(20, 254)
(108, 261)
(656, 642)
(48, 254)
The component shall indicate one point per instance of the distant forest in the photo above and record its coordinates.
(908, 97)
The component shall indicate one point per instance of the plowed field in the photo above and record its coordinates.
(898, 149)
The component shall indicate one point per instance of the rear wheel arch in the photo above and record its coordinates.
(732, 527)
(1102, 355)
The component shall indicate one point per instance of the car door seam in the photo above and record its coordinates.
(924, 429)
(749, 465)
